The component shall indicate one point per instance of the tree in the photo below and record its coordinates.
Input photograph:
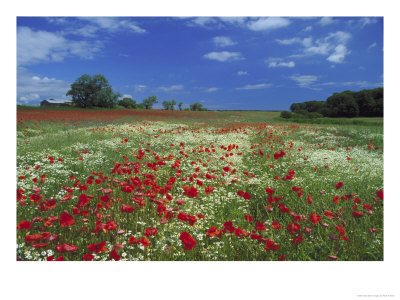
(149, 102)
(365, 102)
(197, 106)
(342, 105)
(173, 103)
(180, 105)
(88, 91)
(166, 104)
(127, 103)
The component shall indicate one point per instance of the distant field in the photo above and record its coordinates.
(181, 185)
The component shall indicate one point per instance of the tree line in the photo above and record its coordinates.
(95, 91)
(364, 103)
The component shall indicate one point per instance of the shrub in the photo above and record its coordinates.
(286, 114)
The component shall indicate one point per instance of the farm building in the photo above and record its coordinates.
(56, 102)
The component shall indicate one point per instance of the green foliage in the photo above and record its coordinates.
(92, 91)
(286, 114)
(169, 105)
(365, 103)
(149, 102)
(180, 105)
(127, 103)
(197, 107)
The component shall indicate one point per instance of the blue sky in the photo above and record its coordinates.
(263, 63)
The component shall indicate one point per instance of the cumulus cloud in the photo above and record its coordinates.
(223, 56)
(269, 23)
(31, 87)
(304, 80)
(255, 86)
(274, 64)
(43, 46)
(326, 21)
(114, 24)
(333, 46)
(339, 54)
(223, 41)
(139, 87)
(241, 73)
(373, 45)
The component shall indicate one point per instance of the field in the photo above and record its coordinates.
(162, 185)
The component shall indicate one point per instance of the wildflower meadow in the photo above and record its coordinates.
(196, 186)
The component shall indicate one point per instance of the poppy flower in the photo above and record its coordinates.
(357, 214)
(66, 220)
(127, 208)
(51, 258)
(188, 241)
(114, 255)
(260, 226)
(276, 225)
(269, 191)
(97, 247)
(298, 239)
(213, 232)
(88, 257)
(270, 245)
(314, 218)
(339, 185)
(191, 192)
(293, 228)
(24, 225)
(239, 232)
(329, 214)
(144, 241)
(248, 218)
(229, 226)
(66, 248)
(150, 231)
(380, 194)
(209, 189)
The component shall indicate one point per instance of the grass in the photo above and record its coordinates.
(228, 151)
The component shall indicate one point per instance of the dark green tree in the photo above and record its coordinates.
(342, 105)
(149, 102)
(180, 105)
(197, 107)
(127, 103)
(166, 104)
(89, 91)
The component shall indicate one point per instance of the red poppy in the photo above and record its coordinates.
(329, 214)
(114, 255)
(208, 189)
(66, 248)
(191, 192)
(247, 196)
(40, 245)
(24, 225)
(229, 226)
(88, 257)
(33, 237)
(66, 220)
(276, 225)
(97, 247)
(144, 241)
(339, 185)
(239, 232)
(213, 232)
(150, 231)
(110, 225)
(188, 241)
(51, 258)
(293, 228)
(380, 194)
(260, 226)
(336, 199)
(269, 191)
(127, 208)
(314, 218)
(357, 214)
(298, 239)
(270, 245)
(248, 218)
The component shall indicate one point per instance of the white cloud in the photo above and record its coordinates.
(326, 21)
(339, 54)
(304, 80)
(42, 46)
(339, 37)
(308, 28)
(112, 24)
(268, 23)
(213, 89)
(31, 87)
(366, 21)
(126, 96)
(373, 45)
(241, 73)
(255, 86)
(223, 41)
(139, 87)
(275, 64)
(171, 88)
(223, 56)
(202, 21)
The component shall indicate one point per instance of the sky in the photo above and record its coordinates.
(227, 63)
